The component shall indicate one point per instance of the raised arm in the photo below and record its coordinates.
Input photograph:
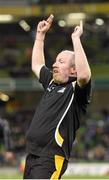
(81, 63)
(38, 59)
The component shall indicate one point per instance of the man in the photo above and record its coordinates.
(6, 154)
(67, 91)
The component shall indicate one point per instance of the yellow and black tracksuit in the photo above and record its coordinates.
(52, 130)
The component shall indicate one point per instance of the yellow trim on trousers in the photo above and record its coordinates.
(59, 160)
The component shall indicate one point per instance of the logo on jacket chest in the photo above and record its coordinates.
(61, 90)
(58, 90)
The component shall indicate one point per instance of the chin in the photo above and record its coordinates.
(59, 81)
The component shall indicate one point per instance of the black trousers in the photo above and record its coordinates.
(37, 167)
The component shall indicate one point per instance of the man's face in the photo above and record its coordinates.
(62, 68)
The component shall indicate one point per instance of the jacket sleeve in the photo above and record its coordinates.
(83, 96)
(45, 76)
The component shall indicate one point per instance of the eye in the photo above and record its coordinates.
(61, 61)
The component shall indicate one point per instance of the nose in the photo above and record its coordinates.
(55, 64)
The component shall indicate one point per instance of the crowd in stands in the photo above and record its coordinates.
(16, 58)
(92, 143)
(15, 61)
(64, 1)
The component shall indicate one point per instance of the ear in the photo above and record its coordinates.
(73, 71)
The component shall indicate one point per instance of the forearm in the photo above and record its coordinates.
(38, 58)
(81, 63)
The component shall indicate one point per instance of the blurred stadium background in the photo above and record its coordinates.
(20, 91)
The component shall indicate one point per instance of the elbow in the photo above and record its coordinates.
(33, 67)
(84, 79)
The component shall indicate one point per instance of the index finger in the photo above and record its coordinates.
(50, 19)
(81, 24)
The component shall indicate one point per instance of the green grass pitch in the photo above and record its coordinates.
(20, 176)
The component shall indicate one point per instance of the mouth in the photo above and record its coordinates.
(55, 71)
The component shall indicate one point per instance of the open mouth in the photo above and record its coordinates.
(55, 71)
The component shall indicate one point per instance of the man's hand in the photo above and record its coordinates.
(44, 25)
(9, 156)
(77, 31)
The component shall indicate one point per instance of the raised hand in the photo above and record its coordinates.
(44, 25)
(78, 30)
